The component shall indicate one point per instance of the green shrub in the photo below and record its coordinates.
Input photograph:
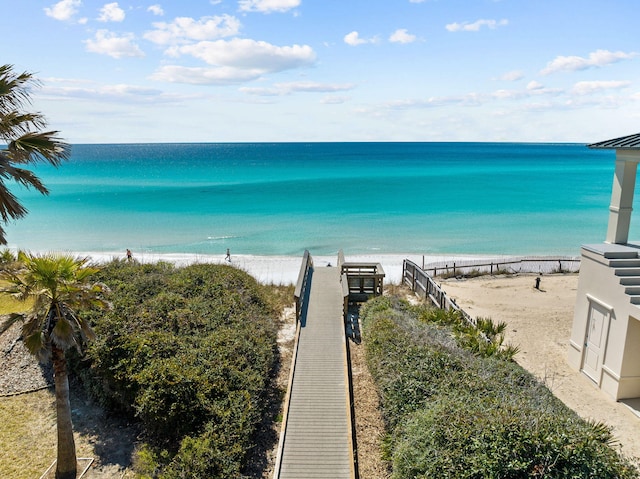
(189, 352)
(454, 412)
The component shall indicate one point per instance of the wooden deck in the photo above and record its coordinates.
(316, 441)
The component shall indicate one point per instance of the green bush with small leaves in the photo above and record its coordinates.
(453, 410)
(189, 352)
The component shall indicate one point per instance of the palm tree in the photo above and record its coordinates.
(26, 142)
(57, 287)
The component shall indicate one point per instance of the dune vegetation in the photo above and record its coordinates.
(189, 353)
(466, 412)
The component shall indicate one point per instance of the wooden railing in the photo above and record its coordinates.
(424, 286)
(511, 264)
(302, 285)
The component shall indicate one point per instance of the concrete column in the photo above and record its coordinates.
(624, 182)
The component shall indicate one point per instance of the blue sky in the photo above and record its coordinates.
(330, 70)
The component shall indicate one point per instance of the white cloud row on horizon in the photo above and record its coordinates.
(580, 94)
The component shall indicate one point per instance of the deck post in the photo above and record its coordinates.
(624, 180)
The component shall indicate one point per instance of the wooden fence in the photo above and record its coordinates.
(523, 264)
(424, 286)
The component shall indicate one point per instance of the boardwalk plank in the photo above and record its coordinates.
(317, 440)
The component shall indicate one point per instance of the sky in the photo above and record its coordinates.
(329, 70)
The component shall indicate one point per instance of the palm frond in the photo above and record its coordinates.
(10, 207)
(36, 344)
(26, 178)
(14, 88)
(45, 147)
(59, 286)
(26, 141)
(63, 334)
(601, 432)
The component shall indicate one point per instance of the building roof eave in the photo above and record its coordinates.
(630, 142)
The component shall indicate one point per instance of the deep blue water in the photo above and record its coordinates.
(283, 198)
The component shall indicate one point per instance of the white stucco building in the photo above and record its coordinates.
(605, 338)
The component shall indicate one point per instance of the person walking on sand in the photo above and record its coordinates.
(228, 257)
(129, 255)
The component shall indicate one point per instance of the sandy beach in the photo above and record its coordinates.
(539, 322)
(280, 270)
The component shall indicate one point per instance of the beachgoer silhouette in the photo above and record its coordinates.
(538, 282)
(228, 257)
(129, 255)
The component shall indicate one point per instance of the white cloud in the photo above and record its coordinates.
(508, 94)
(334, 100)
(267, 6)
(249, 54)
(64, 9)
(354, 39)
(234, 61)
(156, 10)
(514, 75)
(469, 99)
(108, 43)
(402, 36)
(475, 26)
(588, 87)
(596, 59)
(111, 12)
(205, 76)
(289, 88)
(475, 99)
(120, 93)
(183, 29)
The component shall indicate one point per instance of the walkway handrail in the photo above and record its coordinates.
(302, 284)
(344, 283)
(421, 283)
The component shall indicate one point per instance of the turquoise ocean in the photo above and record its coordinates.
(283, 198)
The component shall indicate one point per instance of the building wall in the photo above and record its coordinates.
(599, 285)
(630, 374)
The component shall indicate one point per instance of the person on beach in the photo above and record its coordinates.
(228, 257)
(129, 255)
(538, 282)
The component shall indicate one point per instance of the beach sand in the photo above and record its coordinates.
(280, 270)
(539, 322)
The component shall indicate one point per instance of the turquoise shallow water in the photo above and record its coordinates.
(283, 198)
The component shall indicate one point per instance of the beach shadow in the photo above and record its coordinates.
(112, 435)
(266, 437)
(633, 405)
(353, 323)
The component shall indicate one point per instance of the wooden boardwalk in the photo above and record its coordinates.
(317, 438)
